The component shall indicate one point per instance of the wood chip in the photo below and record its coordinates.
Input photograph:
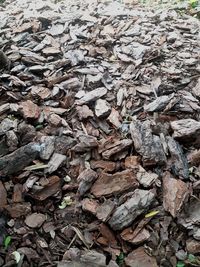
(108, 184)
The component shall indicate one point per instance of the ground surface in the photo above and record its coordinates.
(99, 135)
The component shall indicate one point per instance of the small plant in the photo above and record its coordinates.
(120, 259)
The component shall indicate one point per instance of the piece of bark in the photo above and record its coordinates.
(102, 108)
(175, 193)
(30, 253)
(55, 162)
(84, 112)
(8, 124)
(41, 92)
(17, 210)
(185, 129)
(35, 220)
(53, 186)
(114, 118)
(89, 205)
(17, 193)
(19, 159)
(159, 103)
(179, 165)
(108, 184)
(117, 147)
(89, 258)
(92, 96)
(86, 180)
(11, 140)
(4, 61)
(129, 236)
(195, 89)
(125, 214)
(26, 132)
(192, 216)
(3, 195)
(29, 110)
(193, 246)
(139, 257)
(63, 144)
(194, 158)
(4, 108)
(71, 84)
(47, 147)
(87, 142)
(132, 162)
(104, 211)
(54, 120)
(146, 144)
(146, 178)
(107, 166)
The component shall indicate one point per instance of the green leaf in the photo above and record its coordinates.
(191, 258)
(180, 264)
(7, 241)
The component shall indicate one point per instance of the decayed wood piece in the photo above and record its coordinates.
(175, 193)
(179, 164)
(86, 180)
(146, 144)
(19, 159)
(185, 129)
(108, 184)
(125, 214)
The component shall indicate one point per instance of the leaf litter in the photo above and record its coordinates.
(99, 127)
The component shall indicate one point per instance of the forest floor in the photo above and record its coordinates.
(99, 135)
